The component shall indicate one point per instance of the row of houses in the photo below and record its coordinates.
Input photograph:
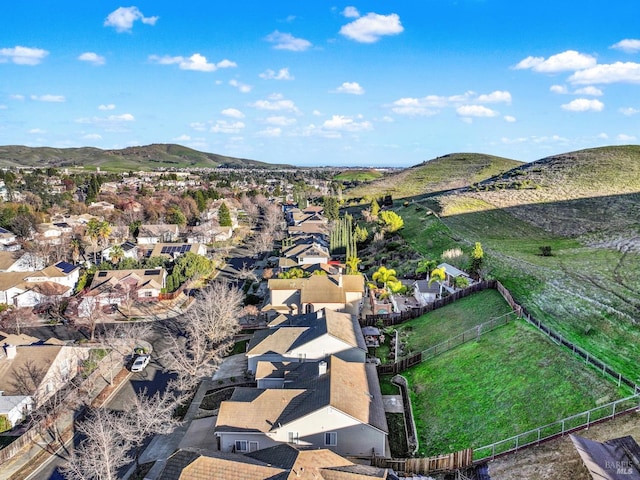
(314, 389)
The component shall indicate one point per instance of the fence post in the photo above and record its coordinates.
(563, 427)
(588, 418)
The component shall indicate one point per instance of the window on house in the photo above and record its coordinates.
(241, 445)
(293, 437)
(253, 446)
(331, 439)
(302, 357)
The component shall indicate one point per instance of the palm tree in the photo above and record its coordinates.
(98, 231)
(76, 249)
(384, 275)
(352, 265)
(117, 254)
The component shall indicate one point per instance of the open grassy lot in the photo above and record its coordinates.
(358, 175)
(589, 294)
(446, 322)
(511, 380)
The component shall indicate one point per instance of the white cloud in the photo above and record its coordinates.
(561, 62)
(351, 12)
(352, 88)
(16, 96)
(535, 139)
(92, 136)
(286, 41)
(91, 57)
(22, 55)
(110, 106)
(628, 111)
(195, 62)
(560, 89)
(182, 138)
(282, 74)
(628, 45)
(242, 87)
(583, 105)
(509, 118)
(316, 113)
(619, 72)
(123, 18)
(626, 138)
(3, 107)
(346, 124)
(372, 27)
(430, 104)
(270, 132)
(280, 120)
(475, 111)
(232, 112)
(276, 103)
(222, 126)
(48, 98)
(198, 126)
(602, 136)
(590, 90)
(37, 131)
(387, 119)
(495, 97)
(112, 123)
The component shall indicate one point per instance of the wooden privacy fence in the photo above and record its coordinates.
(389, 319)
(420, 466)
(558, 429)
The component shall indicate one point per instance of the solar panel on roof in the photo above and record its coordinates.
(66, 267)
(102, 274)
(152, 272)
(4, 230)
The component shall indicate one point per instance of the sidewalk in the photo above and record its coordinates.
(32, 456)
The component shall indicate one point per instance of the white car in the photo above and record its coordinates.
(140, 363)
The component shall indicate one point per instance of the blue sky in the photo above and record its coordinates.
(322, 83)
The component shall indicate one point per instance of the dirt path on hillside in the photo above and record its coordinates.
(558, 459)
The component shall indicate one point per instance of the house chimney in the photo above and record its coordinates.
(322, 368)
(320, 313)
(10, 351)
(340, 277)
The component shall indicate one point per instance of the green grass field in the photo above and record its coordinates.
(511, 380)
(588, 294)
(358, 176)
(446, 322)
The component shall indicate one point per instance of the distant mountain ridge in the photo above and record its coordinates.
(145, 157)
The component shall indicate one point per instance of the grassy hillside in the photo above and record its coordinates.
(358, 176)
(132, 158)
(586, 210)
(442, 173)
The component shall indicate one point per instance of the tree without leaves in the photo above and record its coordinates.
(208, 326)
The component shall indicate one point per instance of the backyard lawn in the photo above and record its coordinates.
(447, 322)
(511, 380)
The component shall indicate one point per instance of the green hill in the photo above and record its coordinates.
(592, 191)
(582, 207)
(146, 157)
(443, 173)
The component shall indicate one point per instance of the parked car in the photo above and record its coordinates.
(140, 363)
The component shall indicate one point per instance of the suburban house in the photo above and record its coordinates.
(328, 404)
(129, 250)
(33, 369)
(285, 462)
(452, 273)
(208, 232)
(308, 337)
(115, 287)
(152, 234)
(8, 240)
(303, 254)
(27, 289)
(424, 292)
(20, 261)
(306, 295)
(315, 229)
(175, 250)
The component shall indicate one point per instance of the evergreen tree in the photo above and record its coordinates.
(224, 216)
(331, 208)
